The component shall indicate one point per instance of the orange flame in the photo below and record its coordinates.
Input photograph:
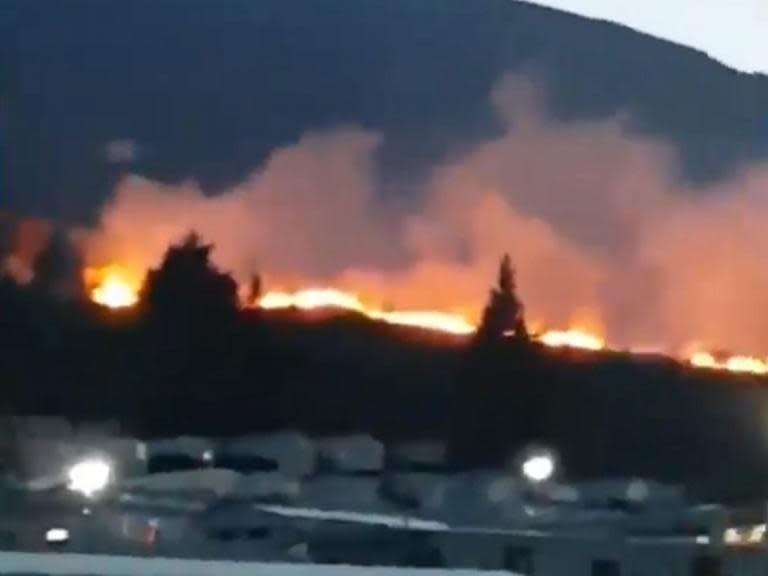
(428, 319)
(112, 286)
(574, 338)
(738, 364)
(115, 287)
(319, 298)
(312, 299)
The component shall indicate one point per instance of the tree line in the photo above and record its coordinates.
(188, 360)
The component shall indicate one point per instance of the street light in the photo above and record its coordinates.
(539, 466)
(57, 536)
(90, 476)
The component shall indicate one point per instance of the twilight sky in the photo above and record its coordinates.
(436, 134)
(735, 32)
(206, 90)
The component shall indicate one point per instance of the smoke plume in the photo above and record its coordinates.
(603, 232)
(21, 242)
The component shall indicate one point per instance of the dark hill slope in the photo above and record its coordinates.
(606, 413)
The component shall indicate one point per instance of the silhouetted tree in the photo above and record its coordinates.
(6, 238)
(186, 288)
(254, 292)
(503, 315)
(58, 269)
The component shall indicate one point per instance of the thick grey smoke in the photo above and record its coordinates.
(602, 232)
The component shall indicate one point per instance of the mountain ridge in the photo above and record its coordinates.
(208, 90)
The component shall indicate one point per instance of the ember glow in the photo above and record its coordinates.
(112, 286)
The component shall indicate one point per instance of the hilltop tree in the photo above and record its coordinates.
(186, 287)
(254, 291)
(503, 315)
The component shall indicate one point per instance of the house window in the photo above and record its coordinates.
(603, 567)
(707, 566)
(518, 559)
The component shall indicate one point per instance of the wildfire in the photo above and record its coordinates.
(312, 299)
(116, 287)
(572, 339)
(431, 320)
(321, 298)
(112, 286)
(739, 364)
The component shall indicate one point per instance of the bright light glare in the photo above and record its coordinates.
(539, 467)
(57, 535)
(743, 536)
(90, 476)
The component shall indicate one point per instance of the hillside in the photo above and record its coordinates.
(607, 413)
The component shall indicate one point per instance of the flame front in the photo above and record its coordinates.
(116, 287)
(574, 338)
(319, 298)
(112, 286)
(428, 319)
(312, 299)
(738, 364)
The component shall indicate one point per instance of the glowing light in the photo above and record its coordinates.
(737, 364)
(732, 536)
(757, 534)
(572, 339)
(745, 535)
(112, 287)
(538, 467)
(90, 477)
(57, 535)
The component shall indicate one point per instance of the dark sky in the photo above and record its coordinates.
(204, 89)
